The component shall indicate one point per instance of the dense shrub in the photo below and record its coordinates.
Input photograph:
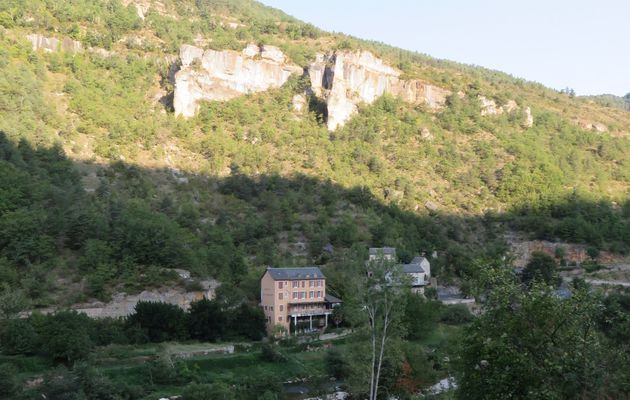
(66, 336)
(17, 336)
(456, 315)
(159, 321)
(9, 384)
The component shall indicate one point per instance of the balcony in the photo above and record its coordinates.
(300, 311)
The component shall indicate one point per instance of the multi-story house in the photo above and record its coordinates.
(418, 270)
(387, 253)
(295, 299)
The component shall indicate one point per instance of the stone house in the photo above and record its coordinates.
(418, 270)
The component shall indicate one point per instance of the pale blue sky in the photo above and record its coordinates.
(583, 44)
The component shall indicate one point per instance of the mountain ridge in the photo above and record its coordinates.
(108, 107)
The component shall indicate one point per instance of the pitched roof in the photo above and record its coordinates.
(329, 298)
(418, 260)
(412, 268)
(279, 274)
(385, 250)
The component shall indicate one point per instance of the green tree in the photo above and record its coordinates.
(206, 320)
(541, 267)
(159, 321)
(67, 336)
(531, 345)
(12, 302)
(336, 364)
(420, 318)
(9, 384)
(17, 336)
(380, 301)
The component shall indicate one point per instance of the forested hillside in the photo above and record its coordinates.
(610, 100)
(104, 188)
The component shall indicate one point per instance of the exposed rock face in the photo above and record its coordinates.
(592, 126)
(51, 44)
(142, 6)
(529, 118)
(222, 75)
(299, 103)
(345, 79)
(123, 304)
(426, 134)
(490, 107)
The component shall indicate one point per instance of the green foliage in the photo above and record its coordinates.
(543, 268)
(159, 321)
(66, 336)
(421, 316)
(457, 314)
(614, 319)
(82, 382)
(206, 320)
(532, 344)
(9, 384)
(18, 336)
(201, 391)
(271, 353)
(336, 364)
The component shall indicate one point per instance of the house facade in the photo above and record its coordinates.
(295, 300)
(418, 270)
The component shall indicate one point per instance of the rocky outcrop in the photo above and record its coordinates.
(299, 103)
(123, 304)
(489, 107)
(222, 75)
(51, 44)
(345, 79)
(529, 118)
(592, 126)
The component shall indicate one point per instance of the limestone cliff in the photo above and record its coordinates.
(51, 44)
(223, 75)
(345, 79)
(489, 107)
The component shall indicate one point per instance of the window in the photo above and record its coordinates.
(280, 285)
(310, 283)
(295, 295)
(279, 319)
(281, 307)
(280, 296)
(310, 294)
(265, 308)
(271, 308)
(303, 283)
(319, 293)
(296, 284)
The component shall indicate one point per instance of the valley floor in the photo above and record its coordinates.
(302, 373)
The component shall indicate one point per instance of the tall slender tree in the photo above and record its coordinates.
(380, 301)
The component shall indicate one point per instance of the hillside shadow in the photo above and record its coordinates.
(129, 226)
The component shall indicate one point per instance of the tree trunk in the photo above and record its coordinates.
(372, 366)
(382, 350)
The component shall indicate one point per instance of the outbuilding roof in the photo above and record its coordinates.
(412, 268)
(418, 260)
(329, 298)
(385, 250)
(281, 274)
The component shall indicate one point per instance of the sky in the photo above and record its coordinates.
(580, 44)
